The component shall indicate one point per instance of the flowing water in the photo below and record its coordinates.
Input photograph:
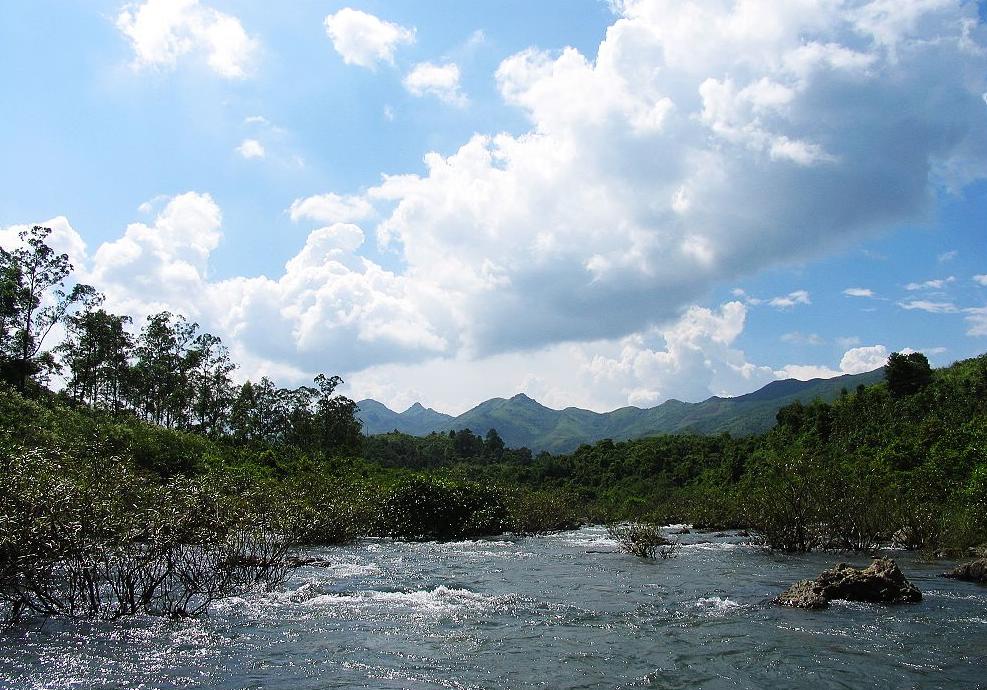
(561, 611)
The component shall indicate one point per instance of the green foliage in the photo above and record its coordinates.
(97, 539)
(33, 301)
(426, 508)
(907, 374)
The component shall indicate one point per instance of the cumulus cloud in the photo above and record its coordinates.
(331, 208)
(365, 40)
(807, 372)
(980, 279)
(691, 359)
(162, 31)
(634, 192)
(328, 299)
(251, 148)
(702, 143)
(861, 359)
(976, 321)
(858, 292)
(698, 359)
(441, 81)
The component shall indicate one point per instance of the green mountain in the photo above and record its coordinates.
(417, 420)
(521, 421)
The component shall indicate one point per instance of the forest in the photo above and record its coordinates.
(137, 475)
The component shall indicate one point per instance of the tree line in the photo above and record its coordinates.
(169, 373)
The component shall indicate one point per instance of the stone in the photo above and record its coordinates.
(804, 594)
(974, 571)
(880, 582)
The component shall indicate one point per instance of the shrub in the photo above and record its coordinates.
(101, 541)
(643, 539)
(542, 512)
(422, 509)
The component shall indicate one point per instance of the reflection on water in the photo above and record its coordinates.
(562, 611)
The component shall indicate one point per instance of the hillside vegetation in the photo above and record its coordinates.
(525, 423)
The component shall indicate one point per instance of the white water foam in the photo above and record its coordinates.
(441, 599)
(717, 605)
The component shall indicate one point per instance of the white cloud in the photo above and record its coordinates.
(328, 299)
(441, 81)
(976, 320)
(861, 359)
(806, 372)
(63, 238)
(635, 191)
(697, 360)
(846, 342)
(251, 148)
(331, 208)
(363, 39)
(790, 300)
(858, 292)
(797, 338)
(937, 284)
(162, 31)
(929, 306)
(980, 279)
(947, 256)
(689, 359)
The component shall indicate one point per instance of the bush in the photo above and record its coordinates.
(542, 512)
(643, 539)
(101, 541)
(424, 509)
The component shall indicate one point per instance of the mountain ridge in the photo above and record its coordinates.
(523, 421)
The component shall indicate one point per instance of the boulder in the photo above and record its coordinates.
(974, 571)
(881, 582)
(804, 594)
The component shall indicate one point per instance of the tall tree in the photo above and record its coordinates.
(212, 383)
(907, 374)
(34, 289)
(337, 427)
(160, 387)
(97, 350)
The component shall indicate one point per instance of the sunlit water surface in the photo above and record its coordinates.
(562, 611)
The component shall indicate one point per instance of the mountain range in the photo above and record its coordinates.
(522, 421)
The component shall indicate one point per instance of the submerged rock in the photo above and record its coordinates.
(882, 582)
(974, 571)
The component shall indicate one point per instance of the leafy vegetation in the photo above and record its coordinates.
(152, 483)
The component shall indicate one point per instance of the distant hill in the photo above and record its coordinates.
(521, 421)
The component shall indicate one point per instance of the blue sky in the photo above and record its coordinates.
(596, 204)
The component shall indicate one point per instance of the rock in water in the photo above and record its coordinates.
(880, 582)
(974, 571)
(804, 594)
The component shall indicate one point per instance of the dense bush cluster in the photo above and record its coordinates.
(97, 539)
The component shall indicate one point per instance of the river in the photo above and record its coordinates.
(559, 611)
